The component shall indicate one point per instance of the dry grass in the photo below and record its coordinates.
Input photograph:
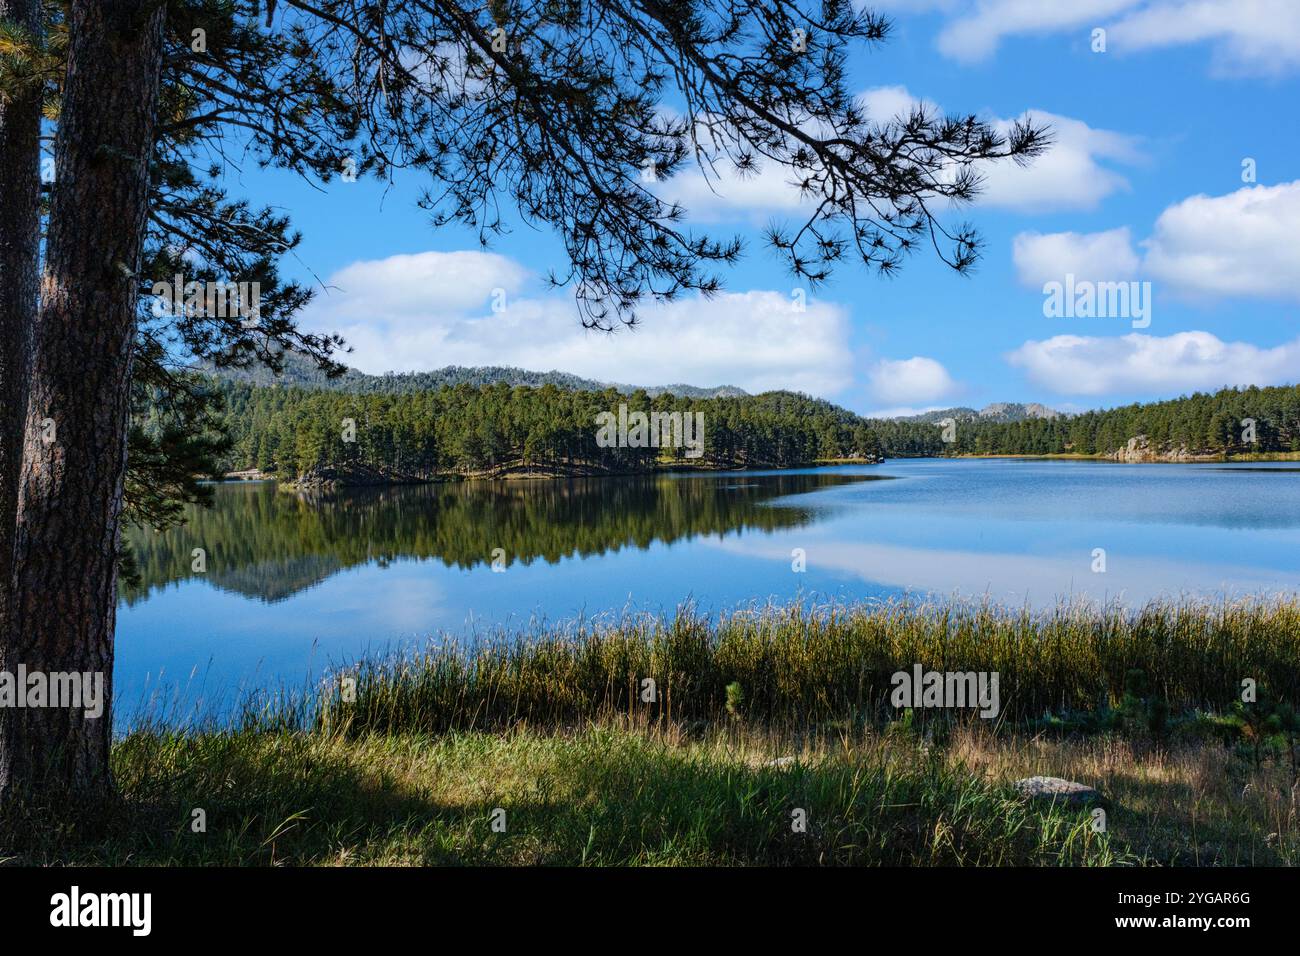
(1197, 804)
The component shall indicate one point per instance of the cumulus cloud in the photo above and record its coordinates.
(979, 27)
(885, 103)
(1147, 364)
(1076, 173)
(724, 194)
(1246, 36)
(401, 288)
(1249, 36)
(1070, 175)
(1097, 256)
(710, 189)
(909, 381)
(1239, 244)
(1205, 247)
(415, 313)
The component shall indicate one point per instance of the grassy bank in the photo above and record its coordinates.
(756, 718)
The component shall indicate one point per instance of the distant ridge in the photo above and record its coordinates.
(301, 372)
(996, 412)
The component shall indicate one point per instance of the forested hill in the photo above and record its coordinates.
(1202, 425)
(350, 437)
(500, 429)
(303, 373)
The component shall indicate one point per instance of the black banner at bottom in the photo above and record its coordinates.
(334, 906)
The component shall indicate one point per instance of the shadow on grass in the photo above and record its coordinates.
(592, 798)
(1167, 823)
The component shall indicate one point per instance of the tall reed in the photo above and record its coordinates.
(798, 663)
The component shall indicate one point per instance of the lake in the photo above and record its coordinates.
(293, 584)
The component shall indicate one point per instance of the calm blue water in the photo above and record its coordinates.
(292, 585)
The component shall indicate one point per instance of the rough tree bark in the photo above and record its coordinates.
(74, 455)
(20, 130)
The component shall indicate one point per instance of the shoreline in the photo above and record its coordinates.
(1067, 456)
(513, 473)
(558, 752)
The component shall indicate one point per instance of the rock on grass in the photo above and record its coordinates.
(1059, 790)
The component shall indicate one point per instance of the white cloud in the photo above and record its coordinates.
(401, 317)
(710, 189)
(1095, 257)
(723, 194)
(909, 381)
(401, 287)
(1147, 364)
(1070, 175)
(1204, 247)
(980, 27)
(1073, 174)
(1250, 36)
(902, 411)
(1243, 243)
(885, 103)
(1247, 36)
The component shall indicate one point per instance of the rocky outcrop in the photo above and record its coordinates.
(357, 476)
(1141, 449)
(248, 474)
(1017, 412)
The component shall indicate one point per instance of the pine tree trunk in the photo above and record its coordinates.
(70, 492)
(20, 129)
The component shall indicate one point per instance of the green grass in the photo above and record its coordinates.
(553, 732)
(602, 796)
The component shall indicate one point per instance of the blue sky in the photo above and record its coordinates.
(1144, 184)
